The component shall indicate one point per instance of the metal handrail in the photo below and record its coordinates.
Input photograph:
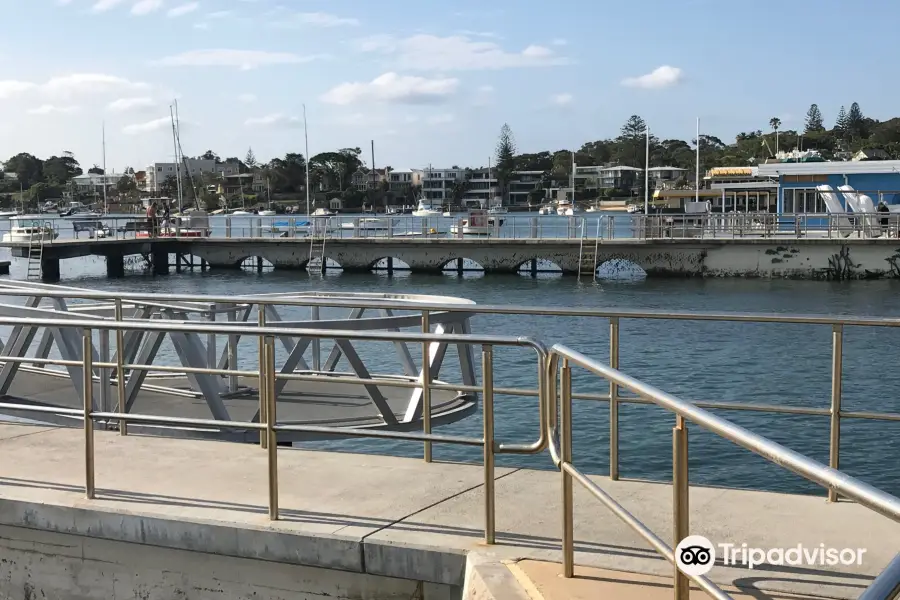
(887, 585)
(560, 440)
(267, 375)
(431, 311)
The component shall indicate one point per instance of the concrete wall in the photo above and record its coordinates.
(40, 565)
(803, 259)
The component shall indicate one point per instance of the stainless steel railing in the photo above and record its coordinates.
(268, 424)
(835, 411)
(685, 412)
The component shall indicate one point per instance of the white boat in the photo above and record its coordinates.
(8, 214)
(591, 209)
(545, 210)
(424, 210)
(77, 210)
(371, 224)
(241, 213)
(266, 213)
(567, 209)
(323, 212)
(27, 230)
(478, 222)
(498, 209)
(632, 208)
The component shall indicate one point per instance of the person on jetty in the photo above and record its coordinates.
(151, 219)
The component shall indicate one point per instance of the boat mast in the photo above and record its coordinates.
(647, 175)
(103, 177)
(306, 140)
(697, 174)
(177, 162)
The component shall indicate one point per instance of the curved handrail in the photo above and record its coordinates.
(845, 485)
(887, 585)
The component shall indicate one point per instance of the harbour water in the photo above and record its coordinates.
(734, 362)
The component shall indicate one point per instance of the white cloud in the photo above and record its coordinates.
(391, 87)
(145, 7)
(456, 53)
(561, 99)
(247, 98)
(148, 127)
(661, 77)
(275, 120)
(105, 5)
(319, 19)
(81, 83)
(11, 87)
(242, 59)
(127, 104)
(46, 109)
(183, 9)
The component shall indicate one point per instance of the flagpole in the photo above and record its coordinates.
(306, 139)
(647, 175)
(697, 175)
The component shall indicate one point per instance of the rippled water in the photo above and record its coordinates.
(754, 363)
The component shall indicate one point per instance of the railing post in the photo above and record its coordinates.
(565, 458)
(316, 343)
(120, 368)
(263, 406)
(104, 372)
(614, 400)
(680, 504)
(426, 383)
(837, 360)
(487, 408)
(87, 380)
(232, 349)
(271, 419)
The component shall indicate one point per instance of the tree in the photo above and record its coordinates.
(28, 169)
(250, 159)
(210, 155)
(855, 122)
(775, 123)
(95, 170)
(506, 158)
(814, 120)
(841, 123)
(126, 186)
(169, 187)
(60, 169)
(630, 145)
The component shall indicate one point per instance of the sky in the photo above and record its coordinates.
(431, 83)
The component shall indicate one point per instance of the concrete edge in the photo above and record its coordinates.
(490, 579)
(400, 560)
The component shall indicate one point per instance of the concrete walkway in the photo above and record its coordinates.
(400, 517)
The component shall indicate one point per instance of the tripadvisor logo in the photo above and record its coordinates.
(695, 555)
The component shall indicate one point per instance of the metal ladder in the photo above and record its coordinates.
(316, 262)
(36, 255)
(587, 255)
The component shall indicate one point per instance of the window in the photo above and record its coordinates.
(159, 169)
(803, 200)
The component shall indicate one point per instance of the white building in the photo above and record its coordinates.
(483, 188)
(437, 184)
(157, 173)
(91, 183)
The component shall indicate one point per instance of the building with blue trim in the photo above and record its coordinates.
(797, 182)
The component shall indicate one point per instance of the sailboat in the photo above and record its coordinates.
(268, 212)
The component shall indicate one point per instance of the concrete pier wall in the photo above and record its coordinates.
(38, 565)
(800, 259)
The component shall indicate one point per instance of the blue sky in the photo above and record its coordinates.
(430, 82)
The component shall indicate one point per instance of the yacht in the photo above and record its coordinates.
(29, 230)
(323, 212)
(478, 222)
(425, 210)
(498, 209)
(8, 214)
(266, 213)
(545, 210)
(566, 208)
(77, 210)
(371, 224)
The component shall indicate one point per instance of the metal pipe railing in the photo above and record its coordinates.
(268, 425)
(561, 441)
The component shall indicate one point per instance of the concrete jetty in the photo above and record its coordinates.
(812, 258)
(177, 518)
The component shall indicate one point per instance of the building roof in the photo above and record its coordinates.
(830, 168)
(651, 169)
